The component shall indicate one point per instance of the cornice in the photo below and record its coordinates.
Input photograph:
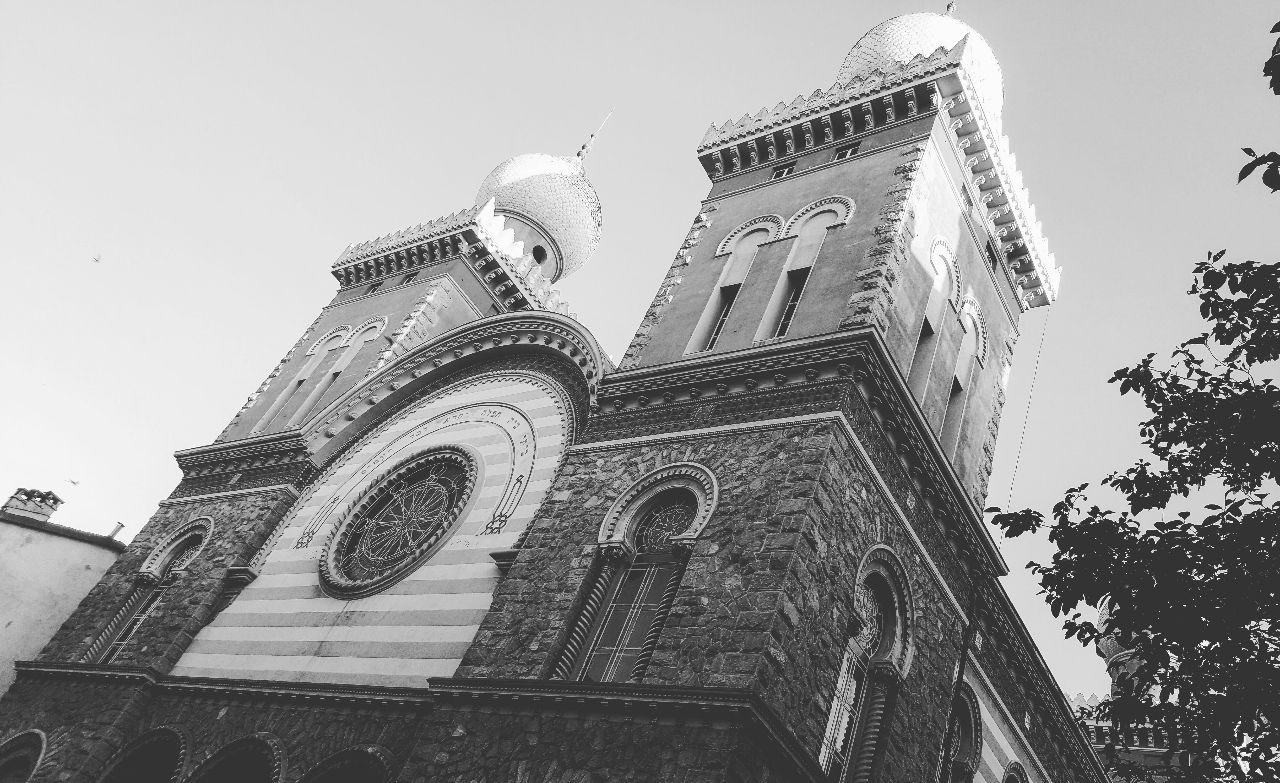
(858, 355)
(114, 674)
(276, 443)
(707, 704)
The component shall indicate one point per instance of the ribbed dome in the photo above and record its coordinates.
(892, 43)
(555, 194)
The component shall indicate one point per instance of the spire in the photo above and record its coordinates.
(581, 154)
(951, 8)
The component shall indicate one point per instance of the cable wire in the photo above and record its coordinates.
(1026, 416)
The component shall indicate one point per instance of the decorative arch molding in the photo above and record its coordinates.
(349, 758)
(531, 333)
(969, 306)
(1015, 773)
(177, 736)
(263, 743)
(344, 330)
(771, 222)
(940, 253)
(618, 526)
(970, 713)
(882, 561)
(24, 747)
(155, 563)
(380, 321)
(841, 205)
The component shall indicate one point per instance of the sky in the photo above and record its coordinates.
(218, 157)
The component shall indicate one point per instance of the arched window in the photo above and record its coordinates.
(256, 759)
(153, 758)
(742, 251)
(316, 355)
(151, 585)
(940, 293)
(1014, 774)
(871, 641)
(963, 739)
(365, 333)
(644, 543)
(365, 765)
(19, 756)
(962, 378)
(795, 274)
(636, 605)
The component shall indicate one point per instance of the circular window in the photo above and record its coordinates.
(539, 253)
(399, 523)
(668, 514)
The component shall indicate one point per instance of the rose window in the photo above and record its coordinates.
(666, 517)
(398, 524)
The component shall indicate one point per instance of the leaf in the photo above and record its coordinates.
(1271, 177)
(1250, 167)
(1248, 151)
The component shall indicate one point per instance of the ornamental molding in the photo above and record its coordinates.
(881, 559)
(940, 253)
(343, 329)
(619, 525)
(342, 585)
(841, 205)
(154, 564)
(970, 306)
(263, 742)
(405, 239)
(475, 341)
(771, 222)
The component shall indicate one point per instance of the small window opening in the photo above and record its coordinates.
(849, 150)
(796, 279)
(409, 278)
(968, 198)
(782, 171)
(539, 253)
(727, 296)
(993, 257)
(373, 288)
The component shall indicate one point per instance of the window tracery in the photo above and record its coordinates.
(400, 522)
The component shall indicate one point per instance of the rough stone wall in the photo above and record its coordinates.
(238, 525)
(719, 624)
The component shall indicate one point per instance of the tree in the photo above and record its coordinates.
(1269, 162)
(1194, 595)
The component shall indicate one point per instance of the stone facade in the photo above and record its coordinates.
(823, 602)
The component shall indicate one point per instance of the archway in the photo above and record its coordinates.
(155, 757)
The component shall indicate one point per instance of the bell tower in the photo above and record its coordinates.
(447, 539)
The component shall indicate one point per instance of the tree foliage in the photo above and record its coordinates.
(1269, 162)
(1194, 595)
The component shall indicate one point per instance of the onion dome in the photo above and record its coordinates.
(552, 193)
(893, 43)
(1108, 645)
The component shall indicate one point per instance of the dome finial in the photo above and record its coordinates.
(951, 8)
(581, 154)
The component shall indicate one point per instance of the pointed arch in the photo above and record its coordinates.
(158, 756)
(771, 223)
(21, 754)
(257, 758)
(841, 205)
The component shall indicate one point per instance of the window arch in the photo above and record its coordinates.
(810, 235)
(875, 658)
(164, 567)
(1014, 773)
(369, 764)
(945, 288)
(352, 343)
(842, 206)
(156, 757)
(258, 758)
(963, 743)
(20, 755)
(643, 546)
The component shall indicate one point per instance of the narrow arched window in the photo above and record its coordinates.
(315, 357)
(716, 315)
(781, 310)
(870, 640)
(641, 592)
(366, 333)
(963, 740)
(931, 324)
(961, 381)
(144, 599)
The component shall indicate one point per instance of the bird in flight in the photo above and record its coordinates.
(97, 259)
(73, 482)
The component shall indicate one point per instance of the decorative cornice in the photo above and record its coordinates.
(413, 238)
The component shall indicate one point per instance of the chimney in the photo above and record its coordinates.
(31, 504)
(115, 531)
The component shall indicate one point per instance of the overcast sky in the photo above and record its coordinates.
(218, 157)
